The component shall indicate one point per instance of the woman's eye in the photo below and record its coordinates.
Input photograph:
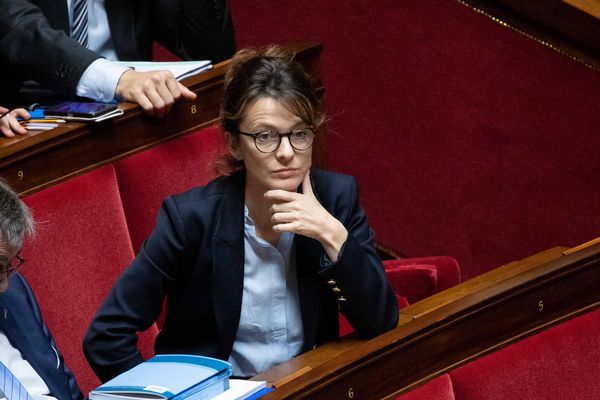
(299, 134)
(266, 137)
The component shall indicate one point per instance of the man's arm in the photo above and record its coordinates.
(154, 91)
(41, 51)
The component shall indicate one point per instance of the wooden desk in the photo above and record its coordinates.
(447, 330)
(41, 159)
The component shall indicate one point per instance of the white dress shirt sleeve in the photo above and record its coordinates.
(99, 81)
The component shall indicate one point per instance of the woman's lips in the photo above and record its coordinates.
(285, 172)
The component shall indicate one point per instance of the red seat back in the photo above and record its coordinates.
(146, 178)
(82, 245)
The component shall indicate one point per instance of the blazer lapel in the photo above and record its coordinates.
(228, 263)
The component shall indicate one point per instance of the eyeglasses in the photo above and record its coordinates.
(269, 141)
(15, 265)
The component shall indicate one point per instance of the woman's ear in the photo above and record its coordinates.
(234, 145)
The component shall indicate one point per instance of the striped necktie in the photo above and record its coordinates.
(79, 27)
(12, 388)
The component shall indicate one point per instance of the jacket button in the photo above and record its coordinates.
(342, 298)
(331, 282)
(336, 289)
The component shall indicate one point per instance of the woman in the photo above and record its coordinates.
(255, 264)
(9, 125)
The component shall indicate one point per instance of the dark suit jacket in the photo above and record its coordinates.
(21, 322)
(195, 257)
(35, 42)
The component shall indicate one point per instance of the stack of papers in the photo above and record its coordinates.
(179, 69)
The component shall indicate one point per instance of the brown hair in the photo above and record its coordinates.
(268, 72)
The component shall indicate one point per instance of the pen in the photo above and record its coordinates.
(46, 120)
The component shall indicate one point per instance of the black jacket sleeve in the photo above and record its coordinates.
(357, 278)
(35, 49)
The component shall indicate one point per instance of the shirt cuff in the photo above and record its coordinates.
(99, 81)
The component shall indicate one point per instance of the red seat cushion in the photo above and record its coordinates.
(562, 362)
(414, 282)
(448, 270)
(82, 245)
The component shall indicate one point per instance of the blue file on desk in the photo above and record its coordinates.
(169, 376)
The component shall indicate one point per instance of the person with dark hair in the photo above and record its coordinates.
(69, 46)
(256, 264)
(29, 359)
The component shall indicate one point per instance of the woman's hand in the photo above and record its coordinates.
(9, 124)
(301, 213)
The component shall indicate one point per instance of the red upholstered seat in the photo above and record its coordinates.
(81, 246)
(562, 362)
(146, 178)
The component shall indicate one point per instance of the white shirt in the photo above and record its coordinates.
(22, 370)
(99, 81)
(270, 330)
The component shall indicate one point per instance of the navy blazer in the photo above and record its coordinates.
(35, 42)
(21, 321)
(195, 258)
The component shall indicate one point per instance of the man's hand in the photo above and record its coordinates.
(9, 124)
(154, 91)
(302, 214)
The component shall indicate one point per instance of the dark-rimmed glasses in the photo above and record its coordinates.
(269, 141)
(15, 265)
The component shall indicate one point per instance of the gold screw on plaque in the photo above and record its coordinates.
(193, 109)
(350, 393)
(20, 175)
(541, 305)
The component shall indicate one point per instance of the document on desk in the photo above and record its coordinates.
(241, 389)
(179, 69)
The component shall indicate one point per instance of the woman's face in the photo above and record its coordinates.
(284, 168)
